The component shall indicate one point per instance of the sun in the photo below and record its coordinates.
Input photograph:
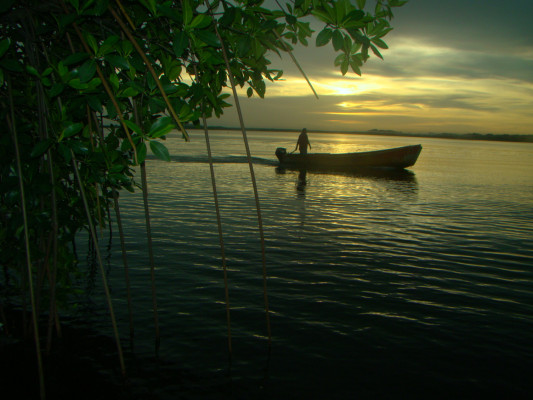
(346, 87)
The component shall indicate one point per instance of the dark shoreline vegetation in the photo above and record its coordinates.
(499, 137)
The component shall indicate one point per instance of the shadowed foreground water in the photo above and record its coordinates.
(414, 285)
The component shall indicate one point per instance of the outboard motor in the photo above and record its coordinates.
(280, 153)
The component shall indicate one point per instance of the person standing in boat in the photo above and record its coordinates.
(303, 142)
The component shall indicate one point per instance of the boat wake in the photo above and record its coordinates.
(231, 159)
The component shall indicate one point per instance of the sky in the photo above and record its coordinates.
(454, 66)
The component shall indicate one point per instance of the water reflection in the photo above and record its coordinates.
(302, 181)
(387, 174)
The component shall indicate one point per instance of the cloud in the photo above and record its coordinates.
(457, 66)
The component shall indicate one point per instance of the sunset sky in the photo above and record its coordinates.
(457, 66)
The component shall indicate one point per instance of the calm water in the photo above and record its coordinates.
(418, 285)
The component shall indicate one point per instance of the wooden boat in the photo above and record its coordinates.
(396, 158)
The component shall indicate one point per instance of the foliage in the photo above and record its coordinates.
(92, 84)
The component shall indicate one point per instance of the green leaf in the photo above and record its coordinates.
(4, 45)
(187, 12)
(113, 79)
(344, 65)
(75, 58)
(141, 152)
(95, 103)
(56, 89)
(129, 92)
(32, 70)
(161, 127)
(180, 43)
(11, 65)
(117, 61)
(361, 4)
(228, 17)
(133, 126)
(91, 41)
(340, 11)
(291, 19)
(72, 129)
(376, 51)
(324, 37)
(208, 37)
(339, 59)
(200, 21)
(87, 71)
(244, 45)
(41, 147)
(94, 83)
(150, 5)
(323, 16)
(159, 150)
(77, 84)
(108, 45)
(338, 40)
(380, 43)
(356, 63)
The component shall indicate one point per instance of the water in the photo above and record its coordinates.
(413, 285)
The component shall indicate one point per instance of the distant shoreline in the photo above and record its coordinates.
(503, 137)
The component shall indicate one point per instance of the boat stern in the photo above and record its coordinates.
(280, 153)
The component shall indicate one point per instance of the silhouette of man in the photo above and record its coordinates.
(303, 142)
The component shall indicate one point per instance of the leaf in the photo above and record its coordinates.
(41, 147)
(161, 127)
(324, 37)
(133, 126)
(32, 70)
(356, 63)
(322, 16)
(228, 17)
(95, 103)
(113, 79)
(87, 71)
(108, 45)
(129, 92)
(187, 12)
(4, 45)
(244, 45)
(11, 65)
(338, 40)
(344, 65)
(56, 89)
(291, 19)
(200, 21)
(208, 37)
(77, 84)
(380, 43)
(159, 150)
(376, 51)
(180, 43)
(339, 59)
(72, 129)
(141, 152)
(117, 61)
(75, 58)
(91, 41)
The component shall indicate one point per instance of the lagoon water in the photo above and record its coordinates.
(414, 285)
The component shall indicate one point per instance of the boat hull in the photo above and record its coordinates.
(397, 158)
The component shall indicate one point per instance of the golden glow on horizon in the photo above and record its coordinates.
(429, 92)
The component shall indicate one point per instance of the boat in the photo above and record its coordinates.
(396, 158)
